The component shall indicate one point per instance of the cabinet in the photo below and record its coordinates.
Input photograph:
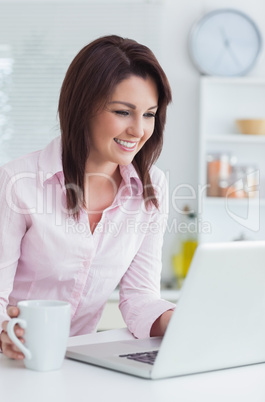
(222, 101)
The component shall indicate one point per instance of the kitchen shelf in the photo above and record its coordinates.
(222, 102)
(237, 138)
(236, 201)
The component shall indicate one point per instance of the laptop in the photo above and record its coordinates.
(218, 323)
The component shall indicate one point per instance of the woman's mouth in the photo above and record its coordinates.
(126, 145)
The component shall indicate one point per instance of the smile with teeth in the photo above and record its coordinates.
(125, 144)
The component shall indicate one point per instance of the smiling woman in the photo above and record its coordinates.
(89, 86)
(97, 176)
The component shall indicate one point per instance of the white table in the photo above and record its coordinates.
(82, 382)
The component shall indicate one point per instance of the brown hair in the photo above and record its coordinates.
(88, 85)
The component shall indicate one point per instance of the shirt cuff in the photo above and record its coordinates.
(149, 315)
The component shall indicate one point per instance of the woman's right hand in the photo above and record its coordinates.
(8, 347)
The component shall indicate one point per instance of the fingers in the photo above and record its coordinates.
(8, 347)
(12, 311)
(19, 332)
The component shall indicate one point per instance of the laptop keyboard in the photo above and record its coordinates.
(144, 357)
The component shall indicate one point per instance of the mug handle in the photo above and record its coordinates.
(13, 337)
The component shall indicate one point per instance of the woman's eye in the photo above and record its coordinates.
(149, 115)
(122, 112)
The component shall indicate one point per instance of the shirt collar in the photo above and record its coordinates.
(50, 160)
(131, 179)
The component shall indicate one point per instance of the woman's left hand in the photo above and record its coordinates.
(160, 325)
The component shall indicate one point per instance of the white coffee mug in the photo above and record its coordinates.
(47, 327)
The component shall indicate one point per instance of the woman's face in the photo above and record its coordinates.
(127, 122)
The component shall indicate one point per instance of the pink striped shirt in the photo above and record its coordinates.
(45, 254)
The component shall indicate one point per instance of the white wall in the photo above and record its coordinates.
(180, 154)
(168, 38)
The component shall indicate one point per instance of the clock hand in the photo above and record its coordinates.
(225, 37)
(225, 42)
(233, 57)
(227, 45)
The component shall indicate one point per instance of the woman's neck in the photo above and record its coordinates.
(102, 174)
(101, 185)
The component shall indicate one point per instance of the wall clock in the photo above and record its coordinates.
(225, 42)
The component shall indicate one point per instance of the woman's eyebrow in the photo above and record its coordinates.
(130, 105)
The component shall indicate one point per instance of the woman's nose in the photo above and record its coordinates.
(136, 128)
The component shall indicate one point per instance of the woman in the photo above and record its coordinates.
(88, 212)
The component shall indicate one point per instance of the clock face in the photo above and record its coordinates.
(225, 43)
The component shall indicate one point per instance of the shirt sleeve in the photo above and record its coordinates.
(140, 301)
(12, 229)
